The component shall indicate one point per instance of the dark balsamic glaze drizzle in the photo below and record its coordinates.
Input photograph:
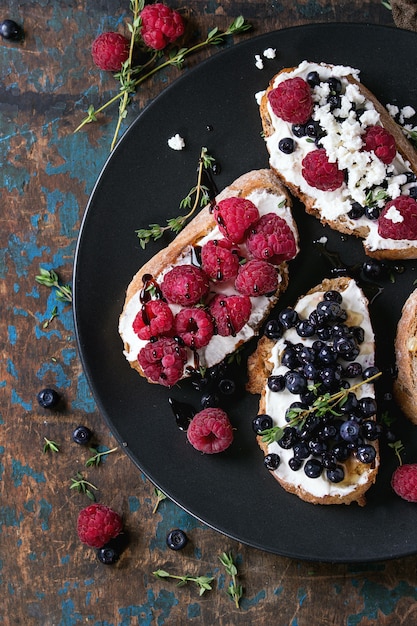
(183, 413)
(338, 268)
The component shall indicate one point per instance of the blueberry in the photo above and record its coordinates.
(289, 438)
(335, 84)
(358, 333)
(286, 145)
(371, 430)
(309, 396)
(369, 372)
(411, 177)
(295, 409)
(305, 328)
(367, 406)
(330, 377)
(209, 400)
(313, 129)
(290, 358)
(107, 555)
(261, 422)
(298, 130)
(301, 450)
(295, 382)
(336, 475)
(226, 386)
(273, 329)
(324, 332)
(276, 383)
(306, 354)
(328, 431)
(353, 370)
(313, 79)
(313, 468)
(288, 318)
(82, 435)
(335, 101)
(176, 539)
(317, 446)
(349, 431)
(327, 355)
(341, 452)
(344, 345)
(328, 460)
(349, 404)
(413, 192)
(333, 295)
(328, 310)
(366, 454)
(272, 461)
(310, 371)
(48, 398)
(372, 212)
(294, 464)
(10, 30)
(373, 269)
(356, 211)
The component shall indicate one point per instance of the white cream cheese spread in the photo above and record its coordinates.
(219, 346)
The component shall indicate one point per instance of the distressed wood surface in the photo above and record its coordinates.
(46, 576)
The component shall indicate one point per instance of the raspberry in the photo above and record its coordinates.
(97, 524)
(272, 239)
(234, 216)
(398, 219)
(381, 142)
(257, 278)
(404, 481)
(230, 313)
(163, 361)
(320, 173)
(292, 101)
(110, 51)
(219, 259)
(160, 25)
(154, 319)
(194, 326)
(185, 285)
(210, 431)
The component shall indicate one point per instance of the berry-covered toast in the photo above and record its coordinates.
(314, 369)
(205, 294)
(405, 385)
(340, 151)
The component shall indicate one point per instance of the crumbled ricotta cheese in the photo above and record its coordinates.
(393, 110)
(259, 96)
(270, 53)
(258, 62)
(394, 215)
(176, 142)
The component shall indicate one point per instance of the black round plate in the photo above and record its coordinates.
(143, 182)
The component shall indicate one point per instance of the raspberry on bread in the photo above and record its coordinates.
(316, 422)
(405, 385)
(220, 303)
(347, 161)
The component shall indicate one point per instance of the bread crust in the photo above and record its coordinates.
(405, 385)
(200, 226)
(342, 225)
(259, 368)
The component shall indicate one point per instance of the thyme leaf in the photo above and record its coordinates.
(160, 496)
(234, 590)
(97, 456)
(50, 446)
(202, 582)
(197, 197)
(83, 486)
(49, 278)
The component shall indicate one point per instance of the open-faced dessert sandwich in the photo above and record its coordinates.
(340, 151)
(405, 385)
(314, 369)
(206, 293)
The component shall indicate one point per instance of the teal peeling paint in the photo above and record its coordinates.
(193, 610)
(84, 400)
(160, 605)
(9, 517)
(134, 504)
(56, 372)
(379, 599)
(44, 512)
(12, 335)
(19, 471)
(69, 616)
(11, 369)
(16, 399)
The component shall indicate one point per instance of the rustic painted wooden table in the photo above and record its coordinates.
(46, 174)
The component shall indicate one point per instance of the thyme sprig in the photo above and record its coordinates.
(97, 456)
(373, 197)
(130, 77)
(234, 590)
(50, 446)
(322, 405)
(83, 486)
(160, 496)
(197, 197)
(202, 582)
(49, 278)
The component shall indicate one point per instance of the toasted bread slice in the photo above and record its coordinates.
(405, 385)
(267, 193)
(369, 182)
(267, 362)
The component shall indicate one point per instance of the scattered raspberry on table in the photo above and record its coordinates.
(110, 51)
(160, 25)
(404, 481)
(97, 524)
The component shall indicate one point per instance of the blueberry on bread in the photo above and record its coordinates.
(405, 384)
(206, 293)
(314, 370)
(338, 150)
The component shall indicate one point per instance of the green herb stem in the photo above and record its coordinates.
(202, 582)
